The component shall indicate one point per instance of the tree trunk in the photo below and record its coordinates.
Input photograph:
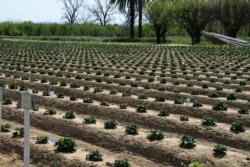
(132, 18)
(249, 31)
(196, 38)
(158, 34)
(231, 32)
(140, 18)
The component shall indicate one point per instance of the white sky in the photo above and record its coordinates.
(38, 11)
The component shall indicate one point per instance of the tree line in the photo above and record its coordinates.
(195, 15)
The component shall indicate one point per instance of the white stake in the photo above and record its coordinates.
(1, 100)
(26, 103)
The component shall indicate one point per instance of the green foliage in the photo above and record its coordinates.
(237, 127)
(220, 106)
(69, 115)
(5, 128)
(219, 150)
(7, 101)
(155, 135)
(65, 145)
(131, 129)
(187, 142)
(94, 156)
(208, 121)
(195, 164)
(141, 108)
(50, 111)
(121, 163)
(19, 132)
(90, 120)
(42, 140)
(110, 124)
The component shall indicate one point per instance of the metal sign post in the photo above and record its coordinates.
(26, 103)
(1, 100)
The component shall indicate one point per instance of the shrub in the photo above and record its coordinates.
(90, 120)
(50, 111)
(110, 124)
(123, 106)
(65, 145)
(87, 100)
(220, 106)
(163, 113)
(243, 111)
(104, 103)
(219, 150)
(42, 140)
(155, 135)
(113, 92)
(184, 118)
(237, 127)
(5, 128)
(238, 90)
(94, 156)
(178, 101)
(231, 97)
(74, 85)
(121, 163)
(208, 121)
(69, 115)
(187, 142)
(141, 108)
(131, 129)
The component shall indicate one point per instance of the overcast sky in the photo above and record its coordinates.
(37, 11)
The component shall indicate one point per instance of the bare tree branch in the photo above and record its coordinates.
(102, 11)
(71, 10)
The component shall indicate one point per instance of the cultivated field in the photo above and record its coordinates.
(152, 105)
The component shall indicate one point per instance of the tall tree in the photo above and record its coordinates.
(71, 10)
(233, 15)
(159, 14)
(102, 11)
(132, 5)
(193, 16)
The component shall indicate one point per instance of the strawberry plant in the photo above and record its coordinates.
(19, 132)
(237, 127)
(187, 142)
(220, 106)
(121, 163)
(7, 101)
(87, 100)
(131, 129)
(90, 120)
(69, 115)
(243, 111)
(5, 128)
(42, 140)
(123, 106)
(231, 97)
(184, 118)
(110, 124)
(155, 135)
(163, 113)
(219, 150)
(65, 145)
(94, 156)
(141, 108)
(208, 121)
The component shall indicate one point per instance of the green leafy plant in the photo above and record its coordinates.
(184, 118)
(121, 163)
(159, 98)
(5, 128)
(110, 124)
(237, 127)
(90, 120)
(50, 111)
(163, 113)
(19, 132)
(94, 156)
(87, 100)
(195, 164)
(141, 108)
(65, 145)
(231, 97)
(219, 150)
(220, 106)
(243, 111)
(42, 140)
(155, 135)
(208, 121)
(123, 106)
(131, 129)
(187, 142)
(7, 101)
(69, 115)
